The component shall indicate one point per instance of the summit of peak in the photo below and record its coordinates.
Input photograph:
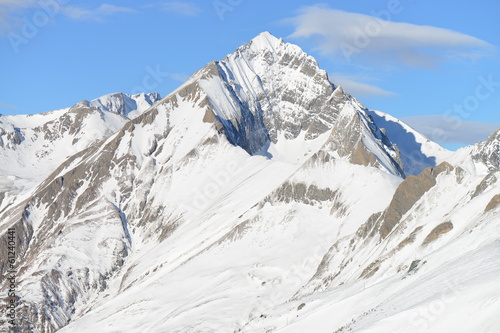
(265, 40)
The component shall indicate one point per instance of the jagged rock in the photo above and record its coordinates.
(488, 152)
(408, 193)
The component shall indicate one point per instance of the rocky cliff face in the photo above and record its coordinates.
(269, 92)
(487, 152)
(255, 190)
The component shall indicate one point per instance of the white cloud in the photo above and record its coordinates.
(182, 8)
(8, 7)
(353, 36)
(445, 129)
(17, 3)
(353, 86)
(97, 14)
(8, 106)
(182, 77)
(11, 12)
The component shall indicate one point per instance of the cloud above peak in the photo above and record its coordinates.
(359, 37)
(357, 86)
(96, 14)
(11, 12)
(441, 129)
(182, 8)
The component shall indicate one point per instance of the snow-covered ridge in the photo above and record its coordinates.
(417, 152)
(32, 146)
(481, 158)
(126, 105)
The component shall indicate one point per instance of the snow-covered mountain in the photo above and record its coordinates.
(33, 146)
(126, 105)
(256, 197)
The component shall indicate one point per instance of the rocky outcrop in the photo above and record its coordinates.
(408, 193)
(438, 231)
(300, 192)
(487, 181)
(488, 152)
(494, 203)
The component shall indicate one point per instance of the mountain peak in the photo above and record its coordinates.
(265, 40)
(268, 45)
(127, 105)
(269, 93)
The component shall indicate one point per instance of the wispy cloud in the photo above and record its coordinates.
(8, 106)
(181, 77)
(182, 8)
(11, 12)
(443, 129)
(16, 3)
(355, 86)
(7, 6)
(96, 14)
(10, 7)
(360, 37)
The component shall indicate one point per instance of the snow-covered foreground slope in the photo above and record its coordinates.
(258, 197)
(302, 262)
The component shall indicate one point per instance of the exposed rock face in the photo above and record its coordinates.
(362, 156)
(269, 91)
(300, 192)
(10, 137)
(494, 203)
(488, 152)
(408, 193)
(487, 181)
(437, 231)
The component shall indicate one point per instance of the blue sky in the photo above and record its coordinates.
(434, 65)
